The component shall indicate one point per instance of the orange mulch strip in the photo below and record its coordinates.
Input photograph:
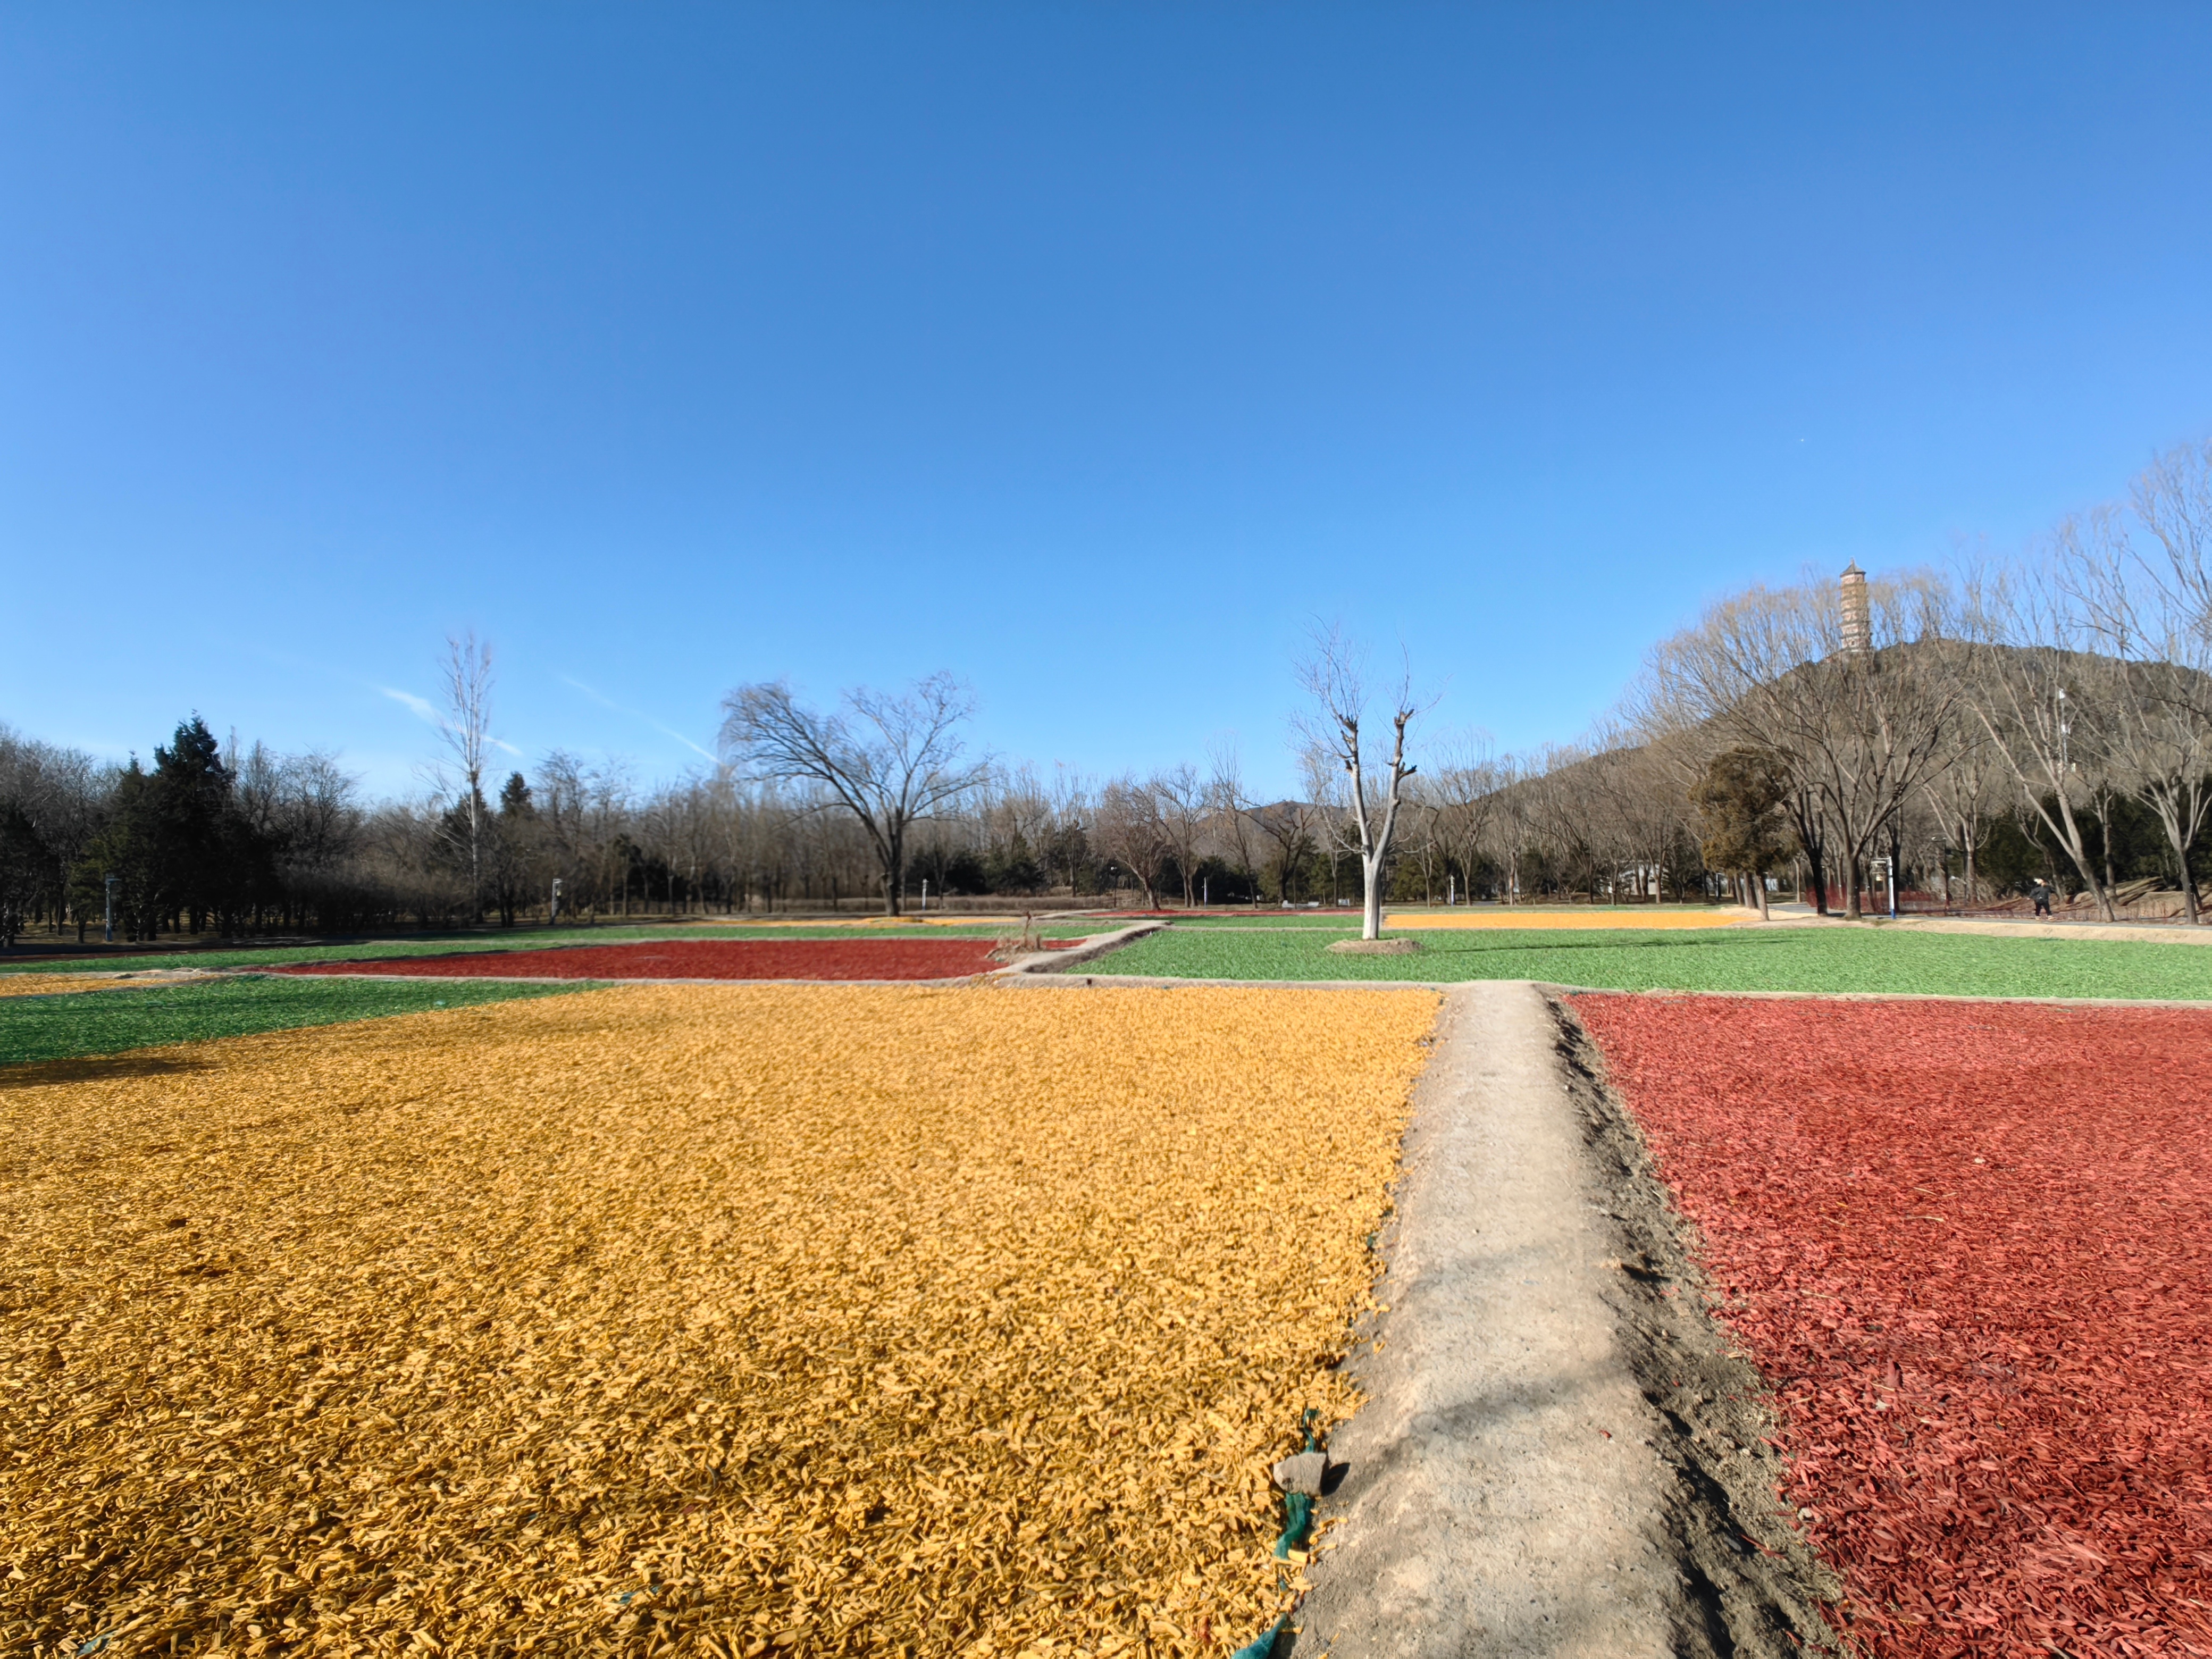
(47, 985)
(1625, 916)
(713, 1320)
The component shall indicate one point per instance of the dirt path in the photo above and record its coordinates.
(1514, 1485)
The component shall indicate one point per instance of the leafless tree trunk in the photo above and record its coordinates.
(2156, 614)
(1333, 677)
(1466, 788)
(1180, 797)
(1862, 730)
(1231, 814)
(1130, 832)
(465, 727)
(890, 762)
(2025, 680)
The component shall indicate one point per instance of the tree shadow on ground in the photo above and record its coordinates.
(96, 1068)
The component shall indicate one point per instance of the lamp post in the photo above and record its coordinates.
(1889, 878)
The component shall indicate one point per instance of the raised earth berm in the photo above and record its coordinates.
(1375, 947)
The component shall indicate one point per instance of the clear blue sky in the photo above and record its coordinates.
(1088, 352)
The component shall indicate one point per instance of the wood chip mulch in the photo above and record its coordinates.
(688, 1319)
(718, 959)
(1969, 1246)
(48, 984)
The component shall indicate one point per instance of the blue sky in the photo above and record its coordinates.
(1088, 352)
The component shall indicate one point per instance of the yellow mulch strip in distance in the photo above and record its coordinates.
(714, 1320)
(1626, 916)
(46, 985)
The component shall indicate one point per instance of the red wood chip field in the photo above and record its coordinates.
(1968, 1245)
(723, 958)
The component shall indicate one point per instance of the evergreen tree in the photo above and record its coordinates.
(515, 839)
(26, 870)
(129, 848)
(192, 805)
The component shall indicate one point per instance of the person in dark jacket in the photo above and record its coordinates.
(2042, 896)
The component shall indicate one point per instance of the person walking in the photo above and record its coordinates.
(2042, 896)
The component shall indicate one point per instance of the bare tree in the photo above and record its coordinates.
(586, 812)
(1180, 797)
(1962, 797)
(1289, 825)
(465, 727)
(2025, 680)
(2155, 615)
(1070, 803)
(1463, 791)
(1230, 813)
(1333, 676)
(889, 760)
(1859, 730)
(1515, 805)
(1131, 833)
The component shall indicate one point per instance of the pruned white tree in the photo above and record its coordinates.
(464, 727)
(1333, 673)
(891, 761)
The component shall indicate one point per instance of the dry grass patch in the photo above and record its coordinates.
(689, 1320)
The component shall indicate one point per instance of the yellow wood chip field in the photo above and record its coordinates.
(1625, 916)
(47, 985)
(662, 1319)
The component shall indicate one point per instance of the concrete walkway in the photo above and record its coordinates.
(1504, 1494)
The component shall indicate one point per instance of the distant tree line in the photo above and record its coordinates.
(2048, 715)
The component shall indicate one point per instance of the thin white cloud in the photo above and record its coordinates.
(605, 702)
(422, 706)
(427, 711)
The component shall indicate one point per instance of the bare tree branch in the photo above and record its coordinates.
(892, 761)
